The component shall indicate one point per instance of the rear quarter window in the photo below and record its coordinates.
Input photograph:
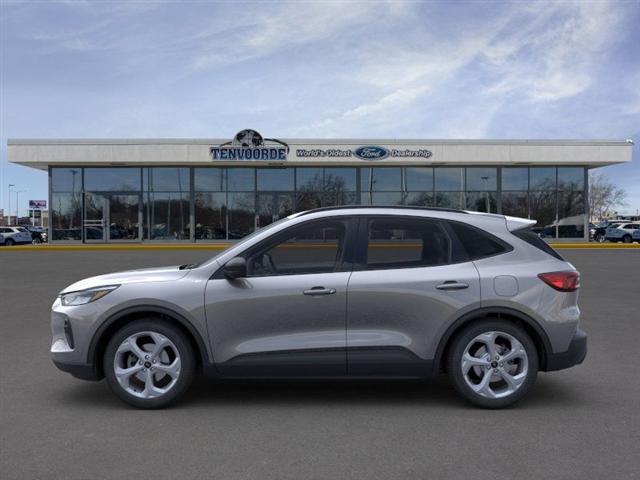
(477, 243)
(531, 238)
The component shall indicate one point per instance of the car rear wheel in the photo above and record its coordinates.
(149, 363)
(9, 242)
(492, 363)
(626, 239)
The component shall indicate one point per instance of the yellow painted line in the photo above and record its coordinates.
(597, 246)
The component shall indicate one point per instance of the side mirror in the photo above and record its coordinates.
(235, 268)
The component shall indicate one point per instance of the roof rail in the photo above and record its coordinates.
(399, 207)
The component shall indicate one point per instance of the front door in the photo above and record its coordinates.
(111, 217)
(287, 317)
(403, 294)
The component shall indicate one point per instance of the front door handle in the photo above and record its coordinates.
(316, 291)
(452, 285)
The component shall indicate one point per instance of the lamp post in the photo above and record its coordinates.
(9, 212)
(18, 192)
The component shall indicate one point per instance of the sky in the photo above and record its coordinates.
(374, 69)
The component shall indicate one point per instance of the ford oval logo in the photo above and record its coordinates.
(371, 153)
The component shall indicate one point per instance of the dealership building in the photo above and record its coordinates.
(206, 190)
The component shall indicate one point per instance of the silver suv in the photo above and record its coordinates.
(355, 292)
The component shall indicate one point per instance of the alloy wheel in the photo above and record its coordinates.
(147, 364)
(494, 364)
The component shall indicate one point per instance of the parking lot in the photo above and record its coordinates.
(579, 423)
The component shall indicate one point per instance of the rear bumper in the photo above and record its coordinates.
(81, 371)
(574, 355)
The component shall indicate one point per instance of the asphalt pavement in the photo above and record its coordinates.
(581, 423)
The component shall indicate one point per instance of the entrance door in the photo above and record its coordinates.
(95, 217)
(112, 217)
(273, 206)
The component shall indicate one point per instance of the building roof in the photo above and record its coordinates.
(42, 153)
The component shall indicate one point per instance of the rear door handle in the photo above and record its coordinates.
(452, 285)
(316, 291)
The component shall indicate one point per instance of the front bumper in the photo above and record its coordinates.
(574, 355)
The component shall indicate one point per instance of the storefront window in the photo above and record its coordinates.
(543, 210)
(275, 179)
(542, 178)
(381, 179)
(385, 198)
(241, 179)
(449, 179)
(210, 216)
(66, 180)
(515, 178)
(571, 214)
(419, 178)
(166, 179)
(515, 204)
(571, 178)
(66, 216)
(483, 179)
(421, 199)
(241, 214)
(482, 201)
(112, 179)
(449, 199)
(166, 216)
(210, 179)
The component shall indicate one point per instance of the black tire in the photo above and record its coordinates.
(626, 239)
(599, 238)
(36, 241)
(9, 242)
(456, 351)
(182, 344)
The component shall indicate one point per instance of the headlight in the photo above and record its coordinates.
(85, 296)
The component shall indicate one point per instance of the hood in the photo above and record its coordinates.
(160, 274)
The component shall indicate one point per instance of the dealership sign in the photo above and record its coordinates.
(38, 204)
(250, 145)
(366, 152)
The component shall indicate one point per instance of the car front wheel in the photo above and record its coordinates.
(492, 363)
(599, 238)
(149, 363)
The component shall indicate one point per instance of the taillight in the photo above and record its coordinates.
(561, 281)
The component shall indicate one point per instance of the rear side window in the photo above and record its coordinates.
(531, 238)
(404, 242)
(478, 244)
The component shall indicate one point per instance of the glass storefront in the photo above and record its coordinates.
(227, 203)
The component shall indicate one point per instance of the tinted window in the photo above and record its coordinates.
(401, 242)
(313, 248)
(533, 239)
(477, 243)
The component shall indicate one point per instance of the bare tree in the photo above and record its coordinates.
(604, 196)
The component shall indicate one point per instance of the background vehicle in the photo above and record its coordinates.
(622, 232)
(339, 292)
(636, 235)
(38, 234)
(15, 235)
(600, 230)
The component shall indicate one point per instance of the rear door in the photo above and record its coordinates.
(409, 283)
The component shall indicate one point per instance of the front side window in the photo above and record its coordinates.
(313, 248)
(404, 243)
